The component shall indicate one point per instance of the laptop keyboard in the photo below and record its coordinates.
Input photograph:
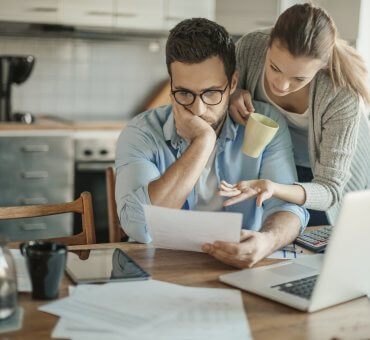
(302, 288)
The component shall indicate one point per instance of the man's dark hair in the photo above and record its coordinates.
(194, 40)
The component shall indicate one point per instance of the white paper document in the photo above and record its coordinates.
(285, 254)
(23, 277)
(149, 310)
(189, 230)
(290, 251)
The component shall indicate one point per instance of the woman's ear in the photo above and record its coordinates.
(234, 82)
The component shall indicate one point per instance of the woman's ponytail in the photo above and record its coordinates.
(347, 69)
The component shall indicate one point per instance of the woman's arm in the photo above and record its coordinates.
(291, 193)
(262, 189)
(336, 118)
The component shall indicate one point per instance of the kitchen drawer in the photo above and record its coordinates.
(27, 153)
(42, 195)
(20, 180)
(36, 169)
(37, 228)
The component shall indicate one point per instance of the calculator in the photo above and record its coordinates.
(315, 240)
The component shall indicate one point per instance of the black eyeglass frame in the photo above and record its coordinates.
(195, 95)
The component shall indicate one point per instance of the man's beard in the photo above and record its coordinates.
(217, 126)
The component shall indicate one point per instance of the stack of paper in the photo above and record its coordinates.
(143, 310)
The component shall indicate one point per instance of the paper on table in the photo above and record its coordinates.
(291, 251)
(68, 329)
(284, 254)
(23, 277)
(189, 230)
(193, 313)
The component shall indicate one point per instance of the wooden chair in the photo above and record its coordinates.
(116, 233)
(82, 205)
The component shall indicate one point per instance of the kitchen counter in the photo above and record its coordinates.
(54, 124)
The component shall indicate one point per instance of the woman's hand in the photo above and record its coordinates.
(262, 188)
(240, 106)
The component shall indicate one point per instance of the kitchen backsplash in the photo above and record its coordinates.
(87, 79)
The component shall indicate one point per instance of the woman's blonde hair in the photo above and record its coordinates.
(308, 31)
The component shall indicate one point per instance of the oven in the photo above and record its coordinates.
(94, 152)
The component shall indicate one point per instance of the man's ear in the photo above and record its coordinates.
(234, 82)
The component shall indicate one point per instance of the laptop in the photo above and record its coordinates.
(314, 282)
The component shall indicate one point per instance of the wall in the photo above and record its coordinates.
(87, 79)
(363, 45)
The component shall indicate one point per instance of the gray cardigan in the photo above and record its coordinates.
(338, 133)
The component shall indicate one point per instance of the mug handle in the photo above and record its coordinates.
(23, 248)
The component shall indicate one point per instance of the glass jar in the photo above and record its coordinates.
(8, 281)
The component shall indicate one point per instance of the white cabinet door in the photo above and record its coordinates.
(87, 12)
(36, 11)
(139, 14)
(243, 16)
(178, 10)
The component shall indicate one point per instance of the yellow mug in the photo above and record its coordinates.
(259, 131)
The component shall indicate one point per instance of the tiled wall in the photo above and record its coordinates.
(87, 79)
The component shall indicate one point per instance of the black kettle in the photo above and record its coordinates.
(13, 70)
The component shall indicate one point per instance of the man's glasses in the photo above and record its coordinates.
(208, 97)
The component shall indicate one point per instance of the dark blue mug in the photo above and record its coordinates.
(46, 262)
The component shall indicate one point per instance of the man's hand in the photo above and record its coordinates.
(253, 247)
(190, 126)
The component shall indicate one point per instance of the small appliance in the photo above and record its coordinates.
(13, 70)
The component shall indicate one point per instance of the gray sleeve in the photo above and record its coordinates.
(339, 134)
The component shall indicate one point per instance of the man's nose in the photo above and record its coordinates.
(198, 108)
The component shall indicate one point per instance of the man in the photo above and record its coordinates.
(175, 156)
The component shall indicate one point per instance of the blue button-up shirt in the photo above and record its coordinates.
(149, 145)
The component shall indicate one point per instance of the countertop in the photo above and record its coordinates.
(55, 124)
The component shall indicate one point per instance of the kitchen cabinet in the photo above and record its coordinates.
(36, 169)
(178, 10)
(95, 13)
(157, 15)
(240, 16)
(33, 11)
(139, 14)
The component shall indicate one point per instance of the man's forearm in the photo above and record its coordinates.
(172, 189)
(281, 228)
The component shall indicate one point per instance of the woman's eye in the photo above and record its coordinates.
(274, 68)
(299, 79)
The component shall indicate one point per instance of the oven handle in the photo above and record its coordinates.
(93, 166)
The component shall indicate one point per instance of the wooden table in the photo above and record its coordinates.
(267, 319)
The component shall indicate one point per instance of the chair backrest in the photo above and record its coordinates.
(82, 205)
(116, 233)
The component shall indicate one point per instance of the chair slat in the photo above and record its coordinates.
(82, 205)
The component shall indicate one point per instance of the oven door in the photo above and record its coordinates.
(90, 176)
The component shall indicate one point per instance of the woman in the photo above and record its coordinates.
(318, 83)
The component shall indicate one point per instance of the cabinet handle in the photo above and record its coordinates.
(99, 13)
(35, 148)
(33, 226)
(35, 174)
(34, 200)
(43, 9)
(126, 15)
